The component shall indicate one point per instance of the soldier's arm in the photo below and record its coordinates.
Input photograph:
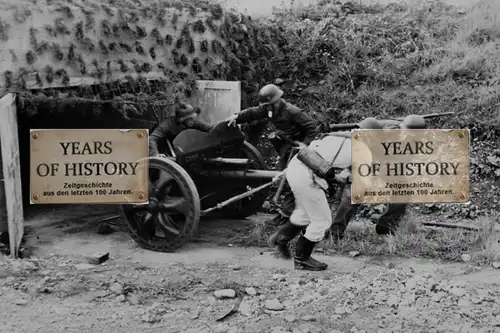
(202, 126)
(158, 134)
(309, 125)
(251, 114)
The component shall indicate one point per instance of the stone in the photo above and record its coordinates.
(224, 293)
(279, 277)
(98, 258)
(21, 302)
(251, 291)
(354, 254)
(495, 264)
(146, 318)
(84, 266)
(245, 308)
(134, 299)
(116, 288)
(340, 310)
(392, 300)
(308, 318)
(121, 298)
(437, 297)
(290, 318)
(466, 257)
(274, 305)
(463, 303)
(457, 291)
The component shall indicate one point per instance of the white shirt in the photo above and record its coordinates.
(335, 150)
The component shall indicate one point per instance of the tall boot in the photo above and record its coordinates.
(388, 222)
(282, 237)
(303, 259)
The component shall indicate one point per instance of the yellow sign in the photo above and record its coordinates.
(84, 166)
(410, 166)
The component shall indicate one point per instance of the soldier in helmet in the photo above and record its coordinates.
(387, 222)
(312, 215)
(185, 117)
(292, 124)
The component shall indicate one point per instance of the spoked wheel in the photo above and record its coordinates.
(250, 205)
(171, 217)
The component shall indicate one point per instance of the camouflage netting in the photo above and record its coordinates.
(54, 51)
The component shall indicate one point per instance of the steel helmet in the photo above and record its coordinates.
(414, 121)
(370, 123)
(184, 112)
(269, 94)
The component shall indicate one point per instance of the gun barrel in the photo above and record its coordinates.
(431, 115)
(343, 127)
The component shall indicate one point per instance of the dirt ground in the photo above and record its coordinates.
(57, 290)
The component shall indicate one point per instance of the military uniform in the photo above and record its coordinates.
(184, 118)
(388, 222)
(173, 126)
(312, 214)
(291, 122)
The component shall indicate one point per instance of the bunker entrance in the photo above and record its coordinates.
(131, 105)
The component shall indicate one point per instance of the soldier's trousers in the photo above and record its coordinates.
(346, 210)
(311, 205)
(288, 203)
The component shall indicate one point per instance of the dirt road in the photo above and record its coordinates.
(142, 291)
(137, 291)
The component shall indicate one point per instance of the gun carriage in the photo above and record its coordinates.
(205, 174)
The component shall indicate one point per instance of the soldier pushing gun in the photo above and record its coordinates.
(387, 222)
(294, 128)
(309, 175)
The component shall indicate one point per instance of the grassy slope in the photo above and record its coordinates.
(396, 60)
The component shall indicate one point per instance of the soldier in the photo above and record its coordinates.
(387, 222)
(292, 124)
(309, 184)
(185, 117)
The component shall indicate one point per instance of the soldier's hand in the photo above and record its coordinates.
(300, 145)
(278, 176)
(344, 176)
(231, 121)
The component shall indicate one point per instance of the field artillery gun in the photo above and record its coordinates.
(205, 173)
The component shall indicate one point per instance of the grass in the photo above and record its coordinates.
(412, 239)
(417, 57)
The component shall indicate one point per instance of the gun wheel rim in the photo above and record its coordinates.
(171, 217)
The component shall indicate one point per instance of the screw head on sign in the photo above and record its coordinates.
(356, 136)
(461, 135)
(462, 196)
(357, 197)
(35, 197)
(140, 135)
(141, 196)
(35, 136)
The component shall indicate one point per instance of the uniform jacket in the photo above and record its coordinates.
(290, 121)
(168, 130)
